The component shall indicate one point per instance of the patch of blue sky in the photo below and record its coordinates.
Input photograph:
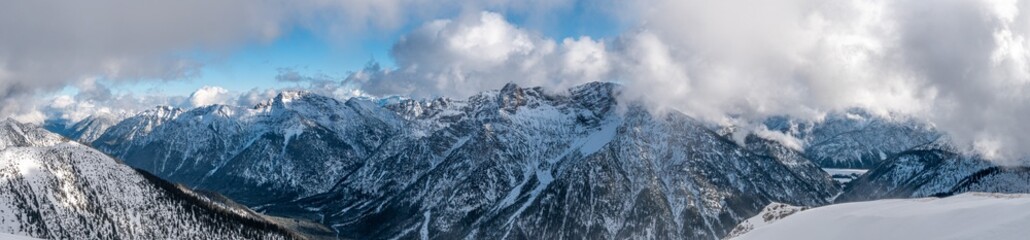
(256, 65)
(583, 18)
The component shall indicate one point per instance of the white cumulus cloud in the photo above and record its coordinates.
(210, 95)
(963, 65)
(482, 51)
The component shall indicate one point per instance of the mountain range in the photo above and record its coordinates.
(516, 162)
(523, 163)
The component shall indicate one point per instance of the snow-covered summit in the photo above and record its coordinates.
(85, 130)
(14, 134)
(282, 98)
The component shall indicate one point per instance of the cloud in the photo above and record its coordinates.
(209, 95)
(796, 57)
(48, 45)
(482, 51)
(95, 98)
(320, 83)
(255, 96)
(963, 65)
(975, 57)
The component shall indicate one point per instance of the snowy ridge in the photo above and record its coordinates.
(294, 145)
(54, 188)
(935, 170)
(135, 127)
(855, 138)
(86, 130)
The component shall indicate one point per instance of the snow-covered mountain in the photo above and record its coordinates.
(295, 145)
(965, 216)
(517, 163)
(135, 127)
(855, 138)
(936, 169)
(86, 130)
(54, 188)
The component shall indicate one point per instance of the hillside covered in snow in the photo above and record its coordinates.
(54, 188)
(964, 216)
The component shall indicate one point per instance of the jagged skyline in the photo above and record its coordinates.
(962, 65)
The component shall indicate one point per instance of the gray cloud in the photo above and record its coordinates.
(963, 65)
(975, 60)
(319, 83)
(97, 99)
(48, 45)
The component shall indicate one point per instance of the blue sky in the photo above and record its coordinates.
(256, 65)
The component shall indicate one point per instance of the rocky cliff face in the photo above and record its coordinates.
(57, 189)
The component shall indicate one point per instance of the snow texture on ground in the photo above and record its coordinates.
(965, 216)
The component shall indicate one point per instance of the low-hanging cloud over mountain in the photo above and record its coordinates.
(482, 51)
(962, 64)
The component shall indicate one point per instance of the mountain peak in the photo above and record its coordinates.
(17, 134)
(162, 111)
(9, 129)
(509, 87)
(599, 97)
(511, 97)
(290, 95)
(284, 97)
(7, 121)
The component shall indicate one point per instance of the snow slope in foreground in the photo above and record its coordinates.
(9, 236)
(965, 216)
